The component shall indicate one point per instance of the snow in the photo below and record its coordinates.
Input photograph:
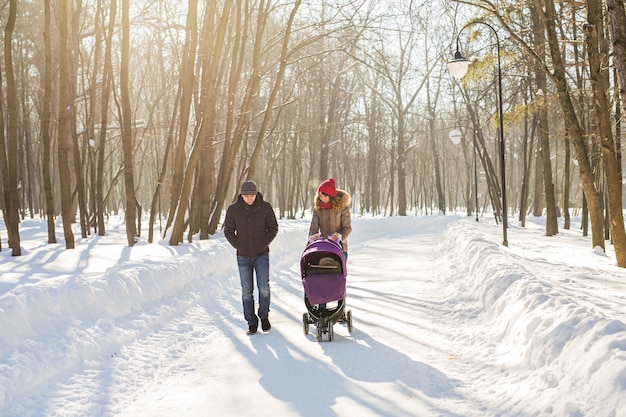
(447, 322)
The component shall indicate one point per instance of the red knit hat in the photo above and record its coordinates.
(328, 187)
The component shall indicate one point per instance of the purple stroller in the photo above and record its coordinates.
(323, 270)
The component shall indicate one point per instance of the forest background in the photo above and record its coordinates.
(162, 108)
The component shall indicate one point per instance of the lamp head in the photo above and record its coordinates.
(458, 66)
(455, 136)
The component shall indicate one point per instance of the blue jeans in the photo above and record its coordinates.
(261, 266)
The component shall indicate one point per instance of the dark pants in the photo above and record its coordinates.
(261, 266)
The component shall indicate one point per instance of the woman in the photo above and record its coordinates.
(331, 214)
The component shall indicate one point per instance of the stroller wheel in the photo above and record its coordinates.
(319, 333)
(331, 332)
(349, 320)
(305, 323)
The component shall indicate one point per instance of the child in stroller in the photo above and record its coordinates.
(323, 272)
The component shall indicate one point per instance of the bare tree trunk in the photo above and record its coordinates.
(270, 103)
(231, 147)
(572, 124)
(205, 133)
(104, 118)
(527, 158)
(11, 162)
(432, 117)
(295, 179)
(187, 79)
(166, 157)
(372, 190)
(552, 227)
(546, 9)
(493, 185)
(64, 136)
(538, 194)
(80, 182)
(11, 183)
(401, 160)
(599, 64)
(74, 161)
(206, 183)
(580, 85)
(206, 127)
(441, 199)
(5, 202)
(127, 133)
(90, 135)
(431, 105)
(567, 185)
(616, 17)
(27, 167)
(45, 127)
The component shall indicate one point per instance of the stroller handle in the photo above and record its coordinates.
(327, 239)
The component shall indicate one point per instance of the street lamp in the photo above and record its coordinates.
(458, 68)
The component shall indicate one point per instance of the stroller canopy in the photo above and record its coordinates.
(323, 271)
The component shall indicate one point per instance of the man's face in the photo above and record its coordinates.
(249, 199)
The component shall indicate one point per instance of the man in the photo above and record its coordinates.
(250, 226)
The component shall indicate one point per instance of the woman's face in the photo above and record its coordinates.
(324, 198)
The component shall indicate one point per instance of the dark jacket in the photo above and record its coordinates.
(250, 228)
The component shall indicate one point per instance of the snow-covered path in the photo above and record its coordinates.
(447, 323)
(371, 372)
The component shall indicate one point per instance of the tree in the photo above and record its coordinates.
(397, 73)
(64, 148)
(616, 18)
(597, 48)
(206, 126)
(186, 85)
(45, 126)
(491, 177)
(274, 90)
(592, 195)
(127, 130)
(238, 131)
(107, 76)
(9, 154)
(432, 112)
(261, 136)
(559, 76)
(543, 132)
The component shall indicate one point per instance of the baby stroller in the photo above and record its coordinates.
(323, 270)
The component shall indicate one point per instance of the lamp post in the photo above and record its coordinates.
(458, 68)
(455, 136)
